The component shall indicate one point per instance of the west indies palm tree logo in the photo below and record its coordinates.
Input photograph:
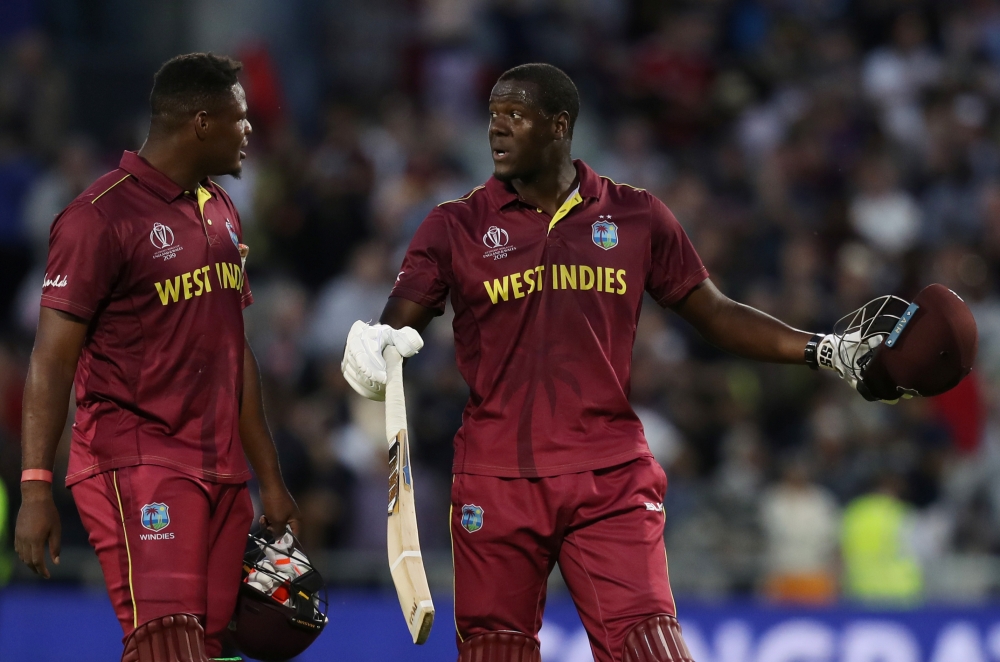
(605, 233)
(472, 517)
(155, 516)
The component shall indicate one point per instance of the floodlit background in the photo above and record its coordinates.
(818, 152)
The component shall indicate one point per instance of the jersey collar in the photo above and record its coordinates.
(503, 194)
(152, 178)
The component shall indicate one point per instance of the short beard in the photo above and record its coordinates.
(505, 178)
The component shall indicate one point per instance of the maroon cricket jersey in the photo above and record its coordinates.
(545, 317)
(157, 272)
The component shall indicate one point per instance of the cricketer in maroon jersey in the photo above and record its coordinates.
(142, 308)
(546, 266)
(163, 267)
(545, 318)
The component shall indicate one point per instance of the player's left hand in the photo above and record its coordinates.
(280, 511)
(843, 355)
(363, 365)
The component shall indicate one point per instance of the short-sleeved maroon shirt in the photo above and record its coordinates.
(545, 317)
(157, 272)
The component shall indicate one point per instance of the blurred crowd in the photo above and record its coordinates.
(819, 153)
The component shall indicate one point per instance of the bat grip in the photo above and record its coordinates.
(395, 404)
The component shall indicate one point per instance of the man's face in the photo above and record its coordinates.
(229, 134)
(520, 132)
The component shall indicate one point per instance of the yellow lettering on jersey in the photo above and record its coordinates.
(191, 284)
(529, 280)
(515, 285)
(568, 276)
(230, 275)
(169, 290)
(580, 277)
(196, 277)
(498, 290)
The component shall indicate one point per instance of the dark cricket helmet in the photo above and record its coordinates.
(923, 348)
(279, 624)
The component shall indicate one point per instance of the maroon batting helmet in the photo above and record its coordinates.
(925, 347)
(279, 623)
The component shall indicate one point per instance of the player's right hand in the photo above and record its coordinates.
(38, 527)
(363, 365)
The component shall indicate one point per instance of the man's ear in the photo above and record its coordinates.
(561, 125)
(201, 125)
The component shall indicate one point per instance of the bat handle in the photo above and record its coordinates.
(395, 404)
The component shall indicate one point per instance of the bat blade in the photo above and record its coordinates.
(402, 536)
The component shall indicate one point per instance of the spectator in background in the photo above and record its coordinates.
(18, 168)
(800, 521)
(75, 168)
(879, 564)
(356, 294)
(634, 160)
(882, 212)
(895, 75)
(34, 93)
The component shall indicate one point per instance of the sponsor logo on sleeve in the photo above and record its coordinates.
(604, 233)
(655, 507)
(496, 240)
(57, 281)
(162, 238)
(472, 518)
(155, 517)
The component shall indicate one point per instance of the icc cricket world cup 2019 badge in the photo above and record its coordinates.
(472, 518)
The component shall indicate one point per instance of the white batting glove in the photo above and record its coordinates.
(843, 354)
(363, 365)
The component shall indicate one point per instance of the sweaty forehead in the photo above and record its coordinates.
(515, 91)
(240, 96)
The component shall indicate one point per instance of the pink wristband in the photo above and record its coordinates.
(36, 474)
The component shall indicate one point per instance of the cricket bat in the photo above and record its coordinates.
(405, 562)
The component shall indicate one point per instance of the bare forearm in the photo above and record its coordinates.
(46, 401)
(254, 433)
(740, 329)
(749, 333)
(399, 312)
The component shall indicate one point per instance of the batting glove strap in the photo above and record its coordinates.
(810, 352)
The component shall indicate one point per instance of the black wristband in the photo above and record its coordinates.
(810, 353)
